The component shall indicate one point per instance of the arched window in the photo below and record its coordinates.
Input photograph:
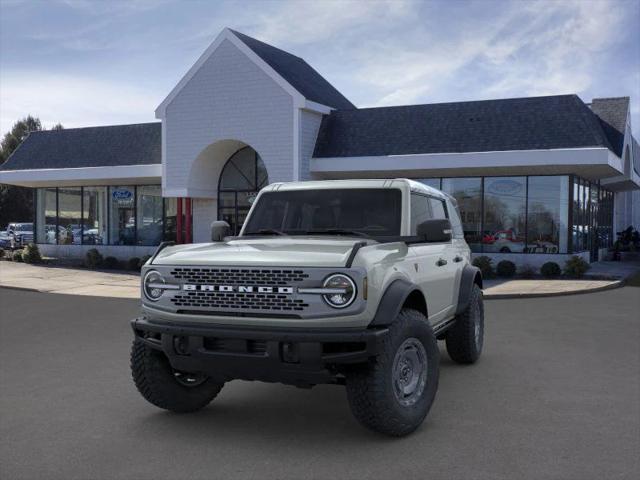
(242, 177)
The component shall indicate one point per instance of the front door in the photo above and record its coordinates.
(242, 177)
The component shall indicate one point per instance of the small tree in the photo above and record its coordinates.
(576, 267)
(93, 258)
(31, 254)
(485, 265)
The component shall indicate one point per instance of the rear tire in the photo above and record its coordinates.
(465, 339)
(393, 393)
(165, 388)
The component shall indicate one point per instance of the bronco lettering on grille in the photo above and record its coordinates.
(237, 288)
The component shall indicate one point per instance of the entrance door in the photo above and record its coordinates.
(242, 177)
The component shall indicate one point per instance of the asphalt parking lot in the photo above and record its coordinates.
(555, 395)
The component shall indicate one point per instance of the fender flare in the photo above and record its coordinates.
(470, 275)
(391, 302)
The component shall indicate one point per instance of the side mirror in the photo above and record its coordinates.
(219, 230)
(437, 230)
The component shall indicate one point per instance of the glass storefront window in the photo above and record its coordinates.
(468, 194)
(122, 218)
(504, 215)
(430, 182)
(242, 177)
(149, 215)
(69, 216)
(547, 217)
(46, 216)
(94, 205)
(170, 219)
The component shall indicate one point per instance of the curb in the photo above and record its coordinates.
(24, 289)
(510, 296)
(495, 296)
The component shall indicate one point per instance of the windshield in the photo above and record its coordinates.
(373, 212)
(23, 227)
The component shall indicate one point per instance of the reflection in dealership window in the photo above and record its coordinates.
(122, 224)
(94, 215)
(504, 214)
(468, 194)
(548, 199)
(46, 215)
(170, 216)
(69, 216)
(430, 182)
(149, 215)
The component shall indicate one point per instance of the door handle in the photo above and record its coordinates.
(457, 259)
(441, 262)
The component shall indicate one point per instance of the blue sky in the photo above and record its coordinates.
(82, 62)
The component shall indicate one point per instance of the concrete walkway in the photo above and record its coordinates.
(75, 281)
(499, 289)
(72, 281)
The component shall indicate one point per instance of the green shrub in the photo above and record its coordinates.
(110, 263)
(484, 263)
(506, 268)
(550, 270)
(576, 267)
(31, 254)
(527, 271)
(144, 260)
(17, 256)
(133, 264)
(1, 252)
(93, 258)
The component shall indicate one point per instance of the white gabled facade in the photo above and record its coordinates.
(229, 99)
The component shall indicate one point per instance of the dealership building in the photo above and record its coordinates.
(536, 179)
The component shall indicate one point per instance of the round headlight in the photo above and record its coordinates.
(344, 291)
(150, 285)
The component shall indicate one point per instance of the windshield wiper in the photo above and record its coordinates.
(339, 231)
(267, 231)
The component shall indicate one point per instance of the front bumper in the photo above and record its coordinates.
(297, 357)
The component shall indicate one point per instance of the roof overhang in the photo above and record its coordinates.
(590, 163)
(86, 176)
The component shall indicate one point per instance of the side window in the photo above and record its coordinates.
(438, 208)
(456, 223)
(420, 211)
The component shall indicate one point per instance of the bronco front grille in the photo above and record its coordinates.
(239, 301)
(237, 276)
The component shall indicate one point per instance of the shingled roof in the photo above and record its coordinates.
(612, 113)
(110, 146)
(532, 123)
(298, 73)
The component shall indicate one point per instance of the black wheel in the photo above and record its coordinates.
(167, 388)
(505, 250)
(393, 393)
(464, 340)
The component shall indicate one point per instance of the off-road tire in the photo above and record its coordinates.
(154, 378)
(462, 344)
(370, 388)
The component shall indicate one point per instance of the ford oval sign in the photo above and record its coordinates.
(122, 194)
(505, 187)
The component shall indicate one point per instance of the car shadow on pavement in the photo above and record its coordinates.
(266, 411)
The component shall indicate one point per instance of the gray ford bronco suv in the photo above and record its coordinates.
(348, 282)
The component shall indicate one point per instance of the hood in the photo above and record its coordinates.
(272, 251)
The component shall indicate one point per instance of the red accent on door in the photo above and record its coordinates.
(179, 220)
(187, 221)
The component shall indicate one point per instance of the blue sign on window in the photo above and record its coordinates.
(122, 194)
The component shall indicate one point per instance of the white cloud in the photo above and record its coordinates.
(314, 21)
(533, 48)
(72, 100)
